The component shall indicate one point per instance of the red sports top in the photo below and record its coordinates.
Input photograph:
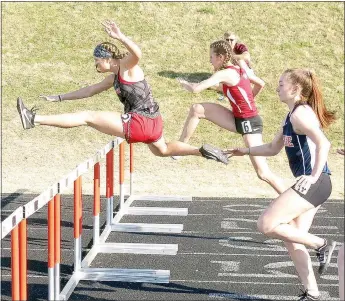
(241, 96)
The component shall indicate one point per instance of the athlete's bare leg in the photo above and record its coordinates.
(106, 122)
(215, 113)
(260, 164)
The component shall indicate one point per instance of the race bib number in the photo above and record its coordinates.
(246, 126)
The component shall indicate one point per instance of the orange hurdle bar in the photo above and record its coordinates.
(122, 168)
(15, 264)
(77, 247)
(96, 201)
(57, 244)
(23, 260)
(109, 184)
(51, 249)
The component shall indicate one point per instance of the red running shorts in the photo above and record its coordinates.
(138, 128)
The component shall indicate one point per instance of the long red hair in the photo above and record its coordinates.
(311, 94)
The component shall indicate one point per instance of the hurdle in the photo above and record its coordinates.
(16, 225)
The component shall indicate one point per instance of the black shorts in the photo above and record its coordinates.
(319, 192)
(251, 125)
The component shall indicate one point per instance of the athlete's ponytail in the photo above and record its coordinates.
(311, 94)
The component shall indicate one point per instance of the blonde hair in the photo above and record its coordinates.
(222, 47)
(311, 93)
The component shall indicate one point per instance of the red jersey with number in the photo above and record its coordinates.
(241, 96)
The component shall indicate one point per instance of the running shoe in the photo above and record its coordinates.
(213, 153)
(324, 255)
(26, 116)
(306, 297)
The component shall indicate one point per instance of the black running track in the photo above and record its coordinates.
(221, 255)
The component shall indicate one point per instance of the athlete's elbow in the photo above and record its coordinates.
(274, 150)
(195, 89)
(324, 145)
(327, 145)
(139, 55)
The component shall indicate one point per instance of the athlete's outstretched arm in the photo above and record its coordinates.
(266, 150)
(218, 87)
(83, 92)
(132, 59)
(214, 80)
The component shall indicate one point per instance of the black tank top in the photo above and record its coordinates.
(136, 97)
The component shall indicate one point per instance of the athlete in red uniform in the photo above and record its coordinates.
(244, 118)
(141, 122)
(241, 51)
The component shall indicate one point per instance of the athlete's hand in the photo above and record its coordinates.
(182, 80)
(340, 151)
(304, 182)
(112, 29)
(50, 98)
(185, 84)
(236, 152)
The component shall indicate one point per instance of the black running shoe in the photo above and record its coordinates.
(324, 255)
(306, 297)
(214, 153)
(26, 116)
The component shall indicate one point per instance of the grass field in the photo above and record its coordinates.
(47, 49)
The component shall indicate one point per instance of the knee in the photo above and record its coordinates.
(160, 153)
(264, 225)
(196, 110)
(88, 116)
(264, 175)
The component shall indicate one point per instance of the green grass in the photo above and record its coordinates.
(47, 49)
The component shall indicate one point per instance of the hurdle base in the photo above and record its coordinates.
(148, 228)
(113, 274)
(157, 211)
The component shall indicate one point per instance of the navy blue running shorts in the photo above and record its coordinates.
(319, 192)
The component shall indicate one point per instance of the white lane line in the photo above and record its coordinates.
(236, 296)
(246, 282)
(334, 201)
(235, 254)
(248, 232)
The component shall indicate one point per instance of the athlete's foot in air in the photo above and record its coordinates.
(26, 116)
(213, 153)
(324, 255)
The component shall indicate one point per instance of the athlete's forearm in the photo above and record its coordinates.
(190, 87)
(321, 154)
(265, 150)
(79, 94)
(133, 48)
(257, 89)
